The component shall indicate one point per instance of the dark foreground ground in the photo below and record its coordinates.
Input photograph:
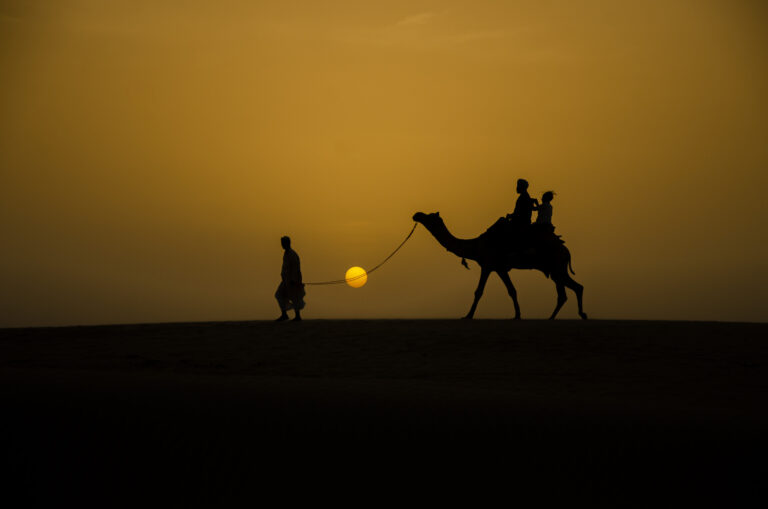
(628, 413)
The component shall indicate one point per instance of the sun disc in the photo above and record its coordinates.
(356, 277)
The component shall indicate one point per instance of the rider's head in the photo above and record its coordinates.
(547, 197)
(522, 185)
(285, 242)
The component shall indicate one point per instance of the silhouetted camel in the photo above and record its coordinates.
(491, 255)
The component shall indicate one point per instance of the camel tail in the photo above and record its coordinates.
(569, 266)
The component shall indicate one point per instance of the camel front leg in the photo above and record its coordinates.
(479, 292)
(510, 290)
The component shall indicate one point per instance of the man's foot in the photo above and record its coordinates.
(297, 318)
(282, 318)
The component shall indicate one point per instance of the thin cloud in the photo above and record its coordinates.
(416, 19)
(402, 33)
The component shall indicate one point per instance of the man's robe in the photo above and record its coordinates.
(290, 293)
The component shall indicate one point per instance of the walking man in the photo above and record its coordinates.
(290, 293)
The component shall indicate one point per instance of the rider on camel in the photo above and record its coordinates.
(524, 207)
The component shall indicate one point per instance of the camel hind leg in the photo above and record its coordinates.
(561, 297)
(578, 290)
(511, 291)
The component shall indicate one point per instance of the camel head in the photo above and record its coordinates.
(428, 220)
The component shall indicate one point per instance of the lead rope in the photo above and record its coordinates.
(339, 281)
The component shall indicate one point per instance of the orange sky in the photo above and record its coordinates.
(152, 153)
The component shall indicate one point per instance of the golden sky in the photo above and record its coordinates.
(153, 152)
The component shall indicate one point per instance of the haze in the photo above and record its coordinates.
(152, 153)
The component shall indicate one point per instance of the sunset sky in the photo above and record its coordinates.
(153, 152)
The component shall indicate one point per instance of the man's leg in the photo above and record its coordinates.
(282, 302)
(297, 300)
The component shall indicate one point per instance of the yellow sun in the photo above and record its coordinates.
(356, 277)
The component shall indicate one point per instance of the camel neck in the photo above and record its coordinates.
(465, 248)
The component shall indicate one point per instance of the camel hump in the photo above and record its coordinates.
(502, 227)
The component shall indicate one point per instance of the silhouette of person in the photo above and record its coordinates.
(545, 209)
(290, 293)
(543, 225)
(524, 206)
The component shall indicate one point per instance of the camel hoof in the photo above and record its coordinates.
(583, 316)
(466, 317)
(517, 318)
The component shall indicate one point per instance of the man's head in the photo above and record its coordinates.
(547, 197)
(522, 185)
(285, 241)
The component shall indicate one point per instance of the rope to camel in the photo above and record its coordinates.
(340, 281)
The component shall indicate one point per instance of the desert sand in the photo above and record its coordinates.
(395, 411)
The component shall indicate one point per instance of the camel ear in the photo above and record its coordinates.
(437, 214)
